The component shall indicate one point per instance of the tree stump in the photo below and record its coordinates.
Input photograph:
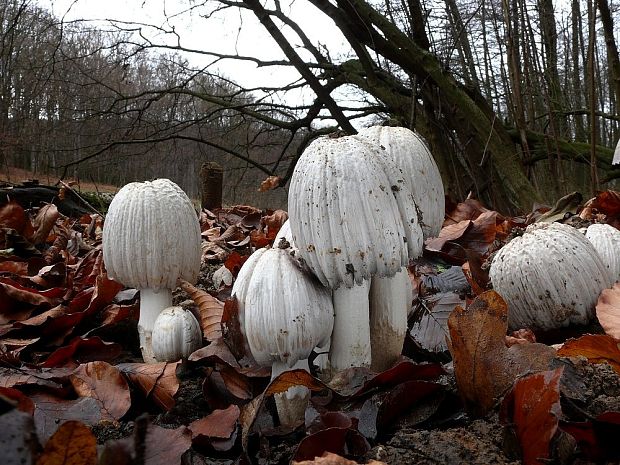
(212, 176)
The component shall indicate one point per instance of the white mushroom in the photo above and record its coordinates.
(606, 240)
(412, 155)
(176, 334)
(550, 277)
(151, 238)
(284, 313)
(352, 217)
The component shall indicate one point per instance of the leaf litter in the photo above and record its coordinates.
(71, 376)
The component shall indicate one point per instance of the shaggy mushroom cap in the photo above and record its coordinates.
(284, 312)
(351, 212)
(550, 277)
(412, 155)
(176, 334)
(151, 236)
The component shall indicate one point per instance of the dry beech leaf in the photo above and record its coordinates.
(484, 367)
(104, 383)
(292, 378)
(210, 309)
(533, 407)
(72, 444)
(83, 350)
(329, 458)
(18, 439)
(597, 348)
(52, 411)
(215, 427)
(13, 216)
(44, 222)
(270, 183)
(19, 399)
(608, 310)
(469, 209)
(157, 381)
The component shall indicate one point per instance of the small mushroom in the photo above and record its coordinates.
(284, 313)
(176, 334)
(151, 238)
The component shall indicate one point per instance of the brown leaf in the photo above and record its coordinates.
(13, 216)
(44, 222)
(52, 411)
(329, 458)
(81, 350)
(608, 310)
(470, 209)
(210, 309)
(157, 381)
(106, 385)
(597, 348)
(15, 267)
(166, 446)
(18, 438)
(270, 183)
(533, 407)
(235, 261)
(217, 350)
(19, 399)
(51, 378)
(448, 233)
(292, 378)
(72, 444)
(220, 424)
(484, 367)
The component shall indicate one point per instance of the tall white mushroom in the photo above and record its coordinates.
(151, 238)
(391, 297)
(284, 313)
(352, 216)
(412, 155)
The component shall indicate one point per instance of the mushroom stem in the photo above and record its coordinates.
(151, 304)
(291, 405)
(390, 300)
(350, 344)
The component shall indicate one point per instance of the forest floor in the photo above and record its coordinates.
(15, 175)
(72, 377)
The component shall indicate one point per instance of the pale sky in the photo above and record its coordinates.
(222, 32)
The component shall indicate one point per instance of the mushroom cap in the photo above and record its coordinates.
(284, 312)
(412, 155)
(606, 240)
(550, 277)
(151, 236)
(176, 334)
(351, 212)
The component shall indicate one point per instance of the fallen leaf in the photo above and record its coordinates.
(291, 378)
(210, 309)
(218, 425)
(235, 261)
(81, 350)
(44, 222)
(72, 444)
(157, 381)
(597, 348)
(533, 409)
(608, 310)
(13, 216)
(337, 440)
(484, 367)
(269, 184)
(469, 209)
(429, 320)
(598, 438)
(52, 411)
(22, 402)
(18, 438)
(104, 383)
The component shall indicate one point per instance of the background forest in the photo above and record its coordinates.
(517, 98)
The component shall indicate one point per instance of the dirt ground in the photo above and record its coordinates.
(14, 175)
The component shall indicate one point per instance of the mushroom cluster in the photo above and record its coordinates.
(151, 238)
